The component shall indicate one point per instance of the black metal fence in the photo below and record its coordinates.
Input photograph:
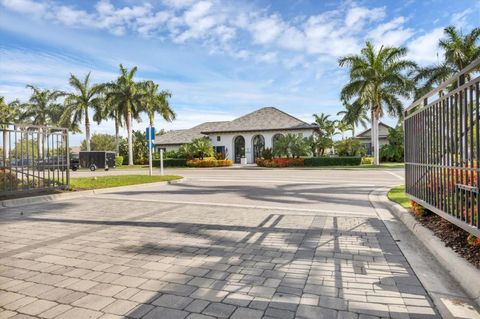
(442, 150)
(33, 158)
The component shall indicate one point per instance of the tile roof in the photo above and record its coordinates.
(178, 137)
(264, 119)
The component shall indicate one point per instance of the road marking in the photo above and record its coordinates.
(306, 210)
(396, 175)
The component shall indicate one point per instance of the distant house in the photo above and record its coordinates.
(365, 137)
(243, 139)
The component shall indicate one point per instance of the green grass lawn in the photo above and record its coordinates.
(397, 195)
(83, 183)
(132, 167)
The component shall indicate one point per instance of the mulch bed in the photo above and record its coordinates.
(453, 237)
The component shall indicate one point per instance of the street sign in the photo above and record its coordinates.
(150, 134)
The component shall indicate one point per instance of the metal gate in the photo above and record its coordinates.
(33, 158)
(442, 149)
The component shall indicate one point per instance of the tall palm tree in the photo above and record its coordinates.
(377, 80)
(354, 116)
(111, 111)
(9, 113)
(42, 107)
(459, 51)
(77, 104)
(156, 101)
(128, 96)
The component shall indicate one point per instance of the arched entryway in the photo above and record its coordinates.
(239, 148)
(275, 139)
(258, 143)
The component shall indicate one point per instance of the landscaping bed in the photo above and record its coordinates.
(309, 161)
(209, 163)
(453, 236)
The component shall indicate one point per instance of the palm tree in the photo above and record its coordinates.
(126, 95)
(77, 104)
(113, 112)
(327, 126)
(377, 80)
(157, 102)
(9, 113)
(459, 51)
(354, 116)
(42, 109)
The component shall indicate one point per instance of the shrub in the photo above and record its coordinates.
(170, 162)
(368, 160)
(280, 162)
(118, 161)
(209, 163)
(8, 180)
(333, 161)
(267, 153)
(473, 241)
(349, 147)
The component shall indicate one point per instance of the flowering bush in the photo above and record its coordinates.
(473, 241)
(209, 163)
(280, 162)
(417, 209)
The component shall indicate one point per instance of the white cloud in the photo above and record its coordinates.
(267, 29)
(25, 6)
(424, 49)
(391, 33)
(269, 57)
(459, 19)
(357, 16)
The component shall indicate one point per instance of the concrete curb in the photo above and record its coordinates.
(64, 196)
(462, 271)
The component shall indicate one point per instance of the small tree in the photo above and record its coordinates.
(394, 150)
(100, 142)
(349, 147)
(282, 147)
(202, 147)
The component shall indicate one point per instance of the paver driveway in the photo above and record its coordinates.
(224, 244)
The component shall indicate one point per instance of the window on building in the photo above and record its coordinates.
(218, 138)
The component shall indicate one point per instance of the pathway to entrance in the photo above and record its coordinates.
(224, 244)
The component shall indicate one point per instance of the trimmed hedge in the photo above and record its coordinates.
(170, 162)
(333, 161)
(209, 163)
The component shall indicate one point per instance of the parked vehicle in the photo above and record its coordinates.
(97, 159)
(51, 163)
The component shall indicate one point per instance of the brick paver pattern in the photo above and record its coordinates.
(99, 258)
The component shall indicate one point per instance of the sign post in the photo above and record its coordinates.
(150, 134)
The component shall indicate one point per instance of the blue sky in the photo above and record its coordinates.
(220, 59)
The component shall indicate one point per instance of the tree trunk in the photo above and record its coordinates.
(152, 120)
(87, 130)
(377, 141)
(117, 139)
(130, 141)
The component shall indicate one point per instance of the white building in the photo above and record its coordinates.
(243, 139)
(365, 137)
